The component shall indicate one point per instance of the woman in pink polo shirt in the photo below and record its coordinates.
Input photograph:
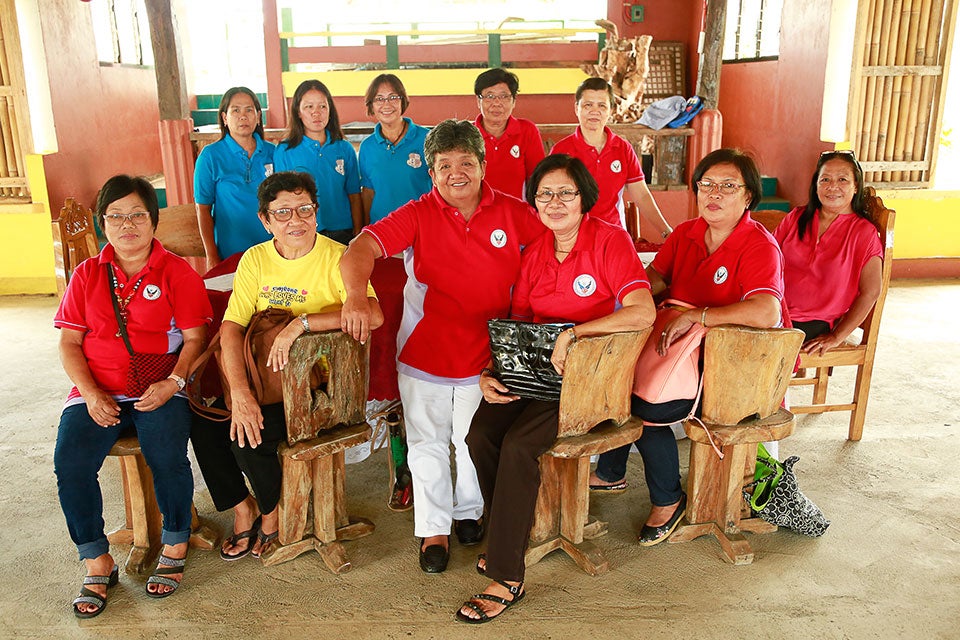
(585, 272)
(832, 255)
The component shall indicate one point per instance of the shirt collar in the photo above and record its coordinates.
(378, 134)
(511, 129)
(486, 198)
(699, 228)
(236, 148)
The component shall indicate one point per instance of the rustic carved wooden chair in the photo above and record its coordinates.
(858, 351)
(746, 372)
(594, 418)
(321, 423)
(143, 521)
(74, 240)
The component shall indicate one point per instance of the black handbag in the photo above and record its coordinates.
(521, 357)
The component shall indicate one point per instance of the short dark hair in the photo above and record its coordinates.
(122, 185)
(395, 84)
(225, 104)
(295, 129)
(578, 172)
(595, 84)
(495, 76)
(744, 164)
(292, 181)
(453, 134)
(859, 203)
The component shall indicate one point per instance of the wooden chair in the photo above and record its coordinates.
(746, 372)
(74, 240)
(594, 418)
(857, 352)
(179, 232)
(321, 424)
(143, 521)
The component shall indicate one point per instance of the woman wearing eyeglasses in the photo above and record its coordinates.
(513, 145)
(296, 270)
(833, 259)
(585, 272)
(314, 143)
(392, 169)
(133, 296)
(729, 268)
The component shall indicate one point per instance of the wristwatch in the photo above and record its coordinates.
(181, 383)
(304, 322)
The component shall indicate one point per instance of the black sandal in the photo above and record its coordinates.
(166, 566)
(515, 590)
(264, 540)
(88, 596)
(249, 534)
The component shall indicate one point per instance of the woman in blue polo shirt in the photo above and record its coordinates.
(314, 144)
(226, 178)
(392, 169)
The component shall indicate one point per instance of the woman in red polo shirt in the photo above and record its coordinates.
(134, 295)
(833, 259)
(730, 269)
(586, 272)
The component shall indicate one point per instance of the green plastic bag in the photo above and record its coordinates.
(765, 478)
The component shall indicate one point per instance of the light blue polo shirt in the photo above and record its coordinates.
(227, 179)
(333, 166)
(397, 173)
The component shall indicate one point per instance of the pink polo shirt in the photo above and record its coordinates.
(822, 274)
(601, 269)
(614, 167)
(511, 157)
(170, 298)
(746, 264)
(460, 274)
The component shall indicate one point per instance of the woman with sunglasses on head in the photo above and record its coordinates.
(133, 297)
(728, 268)
(833, 259)
(297, 270)
(314, 144)
(227, 175)
(392, 168)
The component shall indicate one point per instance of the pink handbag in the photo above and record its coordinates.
(675, 376)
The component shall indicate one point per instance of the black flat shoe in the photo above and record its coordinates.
(434, 558)
(469, 532)
(650, 536)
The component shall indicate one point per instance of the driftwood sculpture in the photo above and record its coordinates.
(623, 63)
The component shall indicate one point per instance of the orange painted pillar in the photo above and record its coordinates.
(707, 137)
(176, 151)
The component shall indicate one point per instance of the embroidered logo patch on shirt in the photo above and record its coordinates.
(340, 168)
(584, 285)
(615, 166)
(267, 170)
(498, 238)
(515, 151)
(151, 292)
(720, 276)
(414, 160)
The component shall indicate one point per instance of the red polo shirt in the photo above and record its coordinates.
(511, 157)
(822, 273)
(170, 298)
(615, 166)
(460, 274)
(601, 269)
(747, 263)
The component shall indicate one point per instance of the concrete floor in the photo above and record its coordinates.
(889, 567)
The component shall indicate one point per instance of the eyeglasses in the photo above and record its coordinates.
(493, 97)
(390, 98)
(117, 219)
(304, 211)
(546, 196)
(726, 188)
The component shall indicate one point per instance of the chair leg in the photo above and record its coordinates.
(861, 393)
(820, 388)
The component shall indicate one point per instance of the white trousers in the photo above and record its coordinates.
(436, 416)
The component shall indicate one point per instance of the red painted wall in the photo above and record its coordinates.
(772, 109)
(106, 117)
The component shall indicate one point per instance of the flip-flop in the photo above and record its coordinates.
(237, 537)
(88, 596)
(617, 487)
(264, 539)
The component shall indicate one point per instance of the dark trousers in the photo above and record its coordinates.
(506, 442)
(812, 328)
(658, 449)
(221, 473)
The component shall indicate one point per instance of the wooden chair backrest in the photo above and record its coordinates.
(74, 240)
(179, 231)
(769, 218)
(598, 381)
(746, 371)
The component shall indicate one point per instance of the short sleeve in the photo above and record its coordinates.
(72, 312)
(204, 185)
(363, 163)
(761, 269)
(534, 148)
(281, 158)
(243, 300)
(397, 231)
(622, 267)
(631, 164)
(351, 169)
(191, 306)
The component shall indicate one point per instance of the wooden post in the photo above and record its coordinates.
(711, 58)
(276, 105)
(168, 61)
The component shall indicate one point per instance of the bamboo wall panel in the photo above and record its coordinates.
(13, 176)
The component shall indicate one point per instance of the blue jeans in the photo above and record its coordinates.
(82, 445)
(658, 449)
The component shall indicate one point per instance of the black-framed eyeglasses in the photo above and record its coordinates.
(390, 98)
(565, 196)
(304, 211)
(726, 188)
